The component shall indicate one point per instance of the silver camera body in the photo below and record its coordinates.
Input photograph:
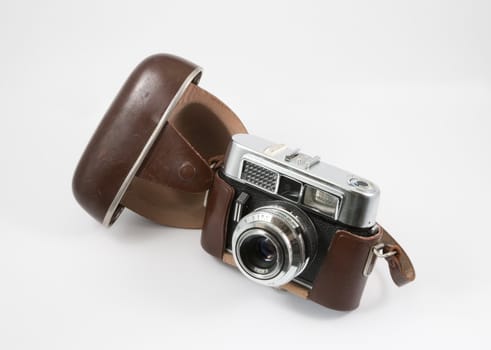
(287, 207)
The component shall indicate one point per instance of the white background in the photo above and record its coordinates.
(398, 92)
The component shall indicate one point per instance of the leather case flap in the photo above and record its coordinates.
(153, 149)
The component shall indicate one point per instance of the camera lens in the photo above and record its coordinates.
(259, 252)
(273, 244)
(266, 249)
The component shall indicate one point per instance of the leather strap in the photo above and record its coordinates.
(213, 235)
(171, 185)
(174, 162)
(400, 266)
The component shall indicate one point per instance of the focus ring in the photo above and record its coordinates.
(280, 225)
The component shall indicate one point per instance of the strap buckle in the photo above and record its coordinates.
(377, 251)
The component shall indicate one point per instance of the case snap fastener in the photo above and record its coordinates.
(187, 171)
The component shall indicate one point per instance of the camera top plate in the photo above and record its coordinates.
(354, 199)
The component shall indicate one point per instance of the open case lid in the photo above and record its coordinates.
(154, 150)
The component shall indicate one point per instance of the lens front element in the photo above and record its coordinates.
(266, 249)
(260, 253)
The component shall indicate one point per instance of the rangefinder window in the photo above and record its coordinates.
(289, 188)
(321, 200)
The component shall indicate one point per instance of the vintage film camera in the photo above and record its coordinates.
(282, 214)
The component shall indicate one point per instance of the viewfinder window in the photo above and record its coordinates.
(289, 188)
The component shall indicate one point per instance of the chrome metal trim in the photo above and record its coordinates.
(259, 273)
(290, 230)
(148, 145)
(358, 203)
(298, 281)
(277, 185)
(239, 205)
(377, 251)
(292, 154)
(302, 283)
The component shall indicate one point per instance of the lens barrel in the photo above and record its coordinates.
(274, 243)
(260, 253)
